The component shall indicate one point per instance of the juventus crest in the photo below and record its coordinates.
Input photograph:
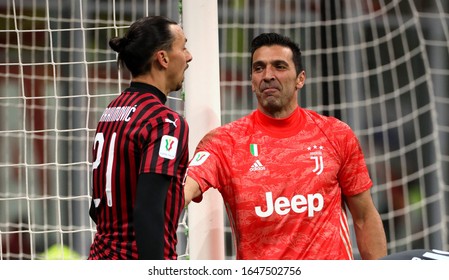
(316, 154)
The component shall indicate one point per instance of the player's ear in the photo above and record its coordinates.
(300, 79)
(162, 58)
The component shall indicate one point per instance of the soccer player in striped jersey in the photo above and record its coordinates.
(140, 150)
(287, 174)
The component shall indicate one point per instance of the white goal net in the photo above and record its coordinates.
(381, 66)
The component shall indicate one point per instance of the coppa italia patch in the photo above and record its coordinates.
(169, 145)
(199, 158)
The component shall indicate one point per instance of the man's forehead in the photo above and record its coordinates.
(272, 53)
(179, 33)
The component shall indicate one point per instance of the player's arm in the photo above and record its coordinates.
(149, 215)
(370, 234)
(93, 211)
(191, 190)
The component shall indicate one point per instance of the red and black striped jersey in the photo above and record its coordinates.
(136, 134)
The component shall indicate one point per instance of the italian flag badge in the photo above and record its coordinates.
(254, 149)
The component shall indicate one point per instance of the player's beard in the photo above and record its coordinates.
(181, 80)
(276, 105)
(271, 105)
(179, 85)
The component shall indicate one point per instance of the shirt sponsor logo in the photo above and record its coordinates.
(298, 204)
(169, 145)
(199, 158)
(257, 166)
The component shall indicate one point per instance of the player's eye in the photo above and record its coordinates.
(257, 68)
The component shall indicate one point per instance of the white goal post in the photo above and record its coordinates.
(202, 106)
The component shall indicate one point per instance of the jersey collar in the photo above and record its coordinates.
(280, 128)
(142, 87)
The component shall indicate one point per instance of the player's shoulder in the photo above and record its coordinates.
(236, 128)
(229, 133)
(151, 103)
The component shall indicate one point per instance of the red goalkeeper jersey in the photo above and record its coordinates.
(282, 182)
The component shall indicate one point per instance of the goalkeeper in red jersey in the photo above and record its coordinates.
(287, 174)
(140, 149)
